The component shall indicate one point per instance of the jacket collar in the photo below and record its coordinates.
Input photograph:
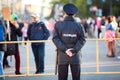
(38, 21)
(69, 18)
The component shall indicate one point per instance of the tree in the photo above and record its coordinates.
(109, 7)
(84, 8)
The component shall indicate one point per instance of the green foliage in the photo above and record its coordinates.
(115, 5)
(64, 1)
(83, 7)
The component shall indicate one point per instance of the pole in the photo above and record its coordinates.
(110, 7)
(56, 63)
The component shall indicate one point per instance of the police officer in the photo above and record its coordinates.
(69, 38)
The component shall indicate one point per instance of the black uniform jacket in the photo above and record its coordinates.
(68, 34)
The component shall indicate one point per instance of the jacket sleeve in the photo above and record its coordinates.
(57, 41)
(29, 31)
(81, 39)
(16, 31)
(1, 33)
(19, 32)
(46, 31)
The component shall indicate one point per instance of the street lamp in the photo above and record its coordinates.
(110, 7)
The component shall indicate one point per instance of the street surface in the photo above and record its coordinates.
(88, 63)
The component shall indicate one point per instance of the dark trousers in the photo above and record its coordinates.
(63, 71)
(17, 61)
(99, 31)
(38, 52)
(25, 39)
(6, 63)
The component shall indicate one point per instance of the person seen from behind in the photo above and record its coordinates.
(2, 38)
(24, 31)
(69, 38)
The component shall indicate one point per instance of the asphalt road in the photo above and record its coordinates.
(83, 77)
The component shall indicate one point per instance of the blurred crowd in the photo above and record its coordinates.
(94, 27)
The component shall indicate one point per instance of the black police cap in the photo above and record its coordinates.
(70, 8)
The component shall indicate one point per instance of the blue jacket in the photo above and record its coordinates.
(38, 31)
(109, 27)
(2, 38)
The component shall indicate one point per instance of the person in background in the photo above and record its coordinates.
(50, 25)
(117, 23)
(24, 31)
(69, 38)
(2, 38)
(15, 31)
(91, 28)
(110, 38)
(102, 27)
(60, 18)
(86, 26)
(21, 24)
(98, 25)
(37, 30)
(2, 22)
